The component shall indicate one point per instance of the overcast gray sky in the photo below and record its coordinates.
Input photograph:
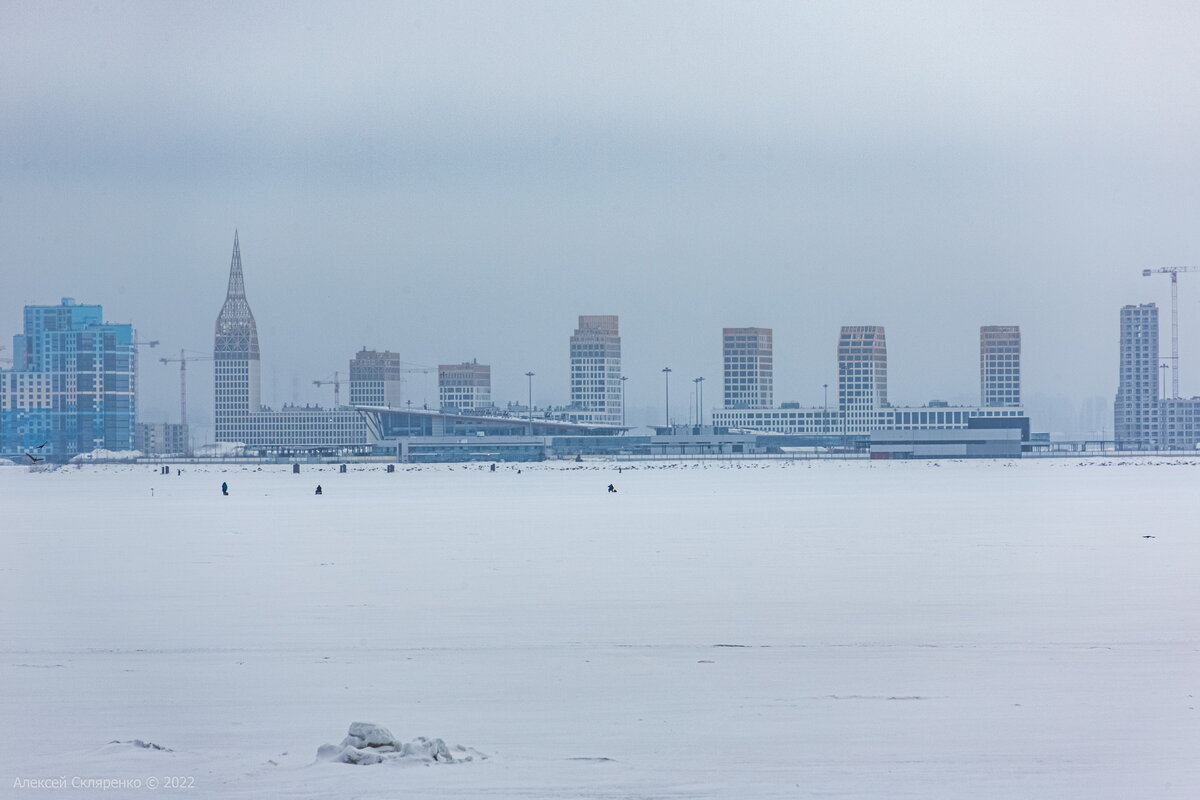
(462, 180)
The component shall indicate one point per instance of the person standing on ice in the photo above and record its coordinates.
(224, 488)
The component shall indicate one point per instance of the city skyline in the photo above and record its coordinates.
(236, 331)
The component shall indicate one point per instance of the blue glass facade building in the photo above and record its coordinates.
(72, 387)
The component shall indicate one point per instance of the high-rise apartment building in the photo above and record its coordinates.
(73, 384)
(376, 378)
(748, 356)
(1000, 366)
(595, 351)
(862, 370)
(1137, 412)
(236, 378)
(465, 387)
(239, 413)
(863, 404)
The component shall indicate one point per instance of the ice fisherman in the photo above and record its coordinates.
(224, 488)
(612, 488)
(318, 489)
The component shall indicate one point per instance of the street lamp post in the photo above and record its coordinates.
(699, 401)
(843, 403)
(825, 414)
(529, 408)
(623, 379)
(1161, 439)
(667, 382)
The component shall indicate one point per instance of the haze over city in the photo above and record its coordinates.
(457, 181)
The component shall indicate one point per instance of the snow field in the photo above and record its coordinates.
(723, 629)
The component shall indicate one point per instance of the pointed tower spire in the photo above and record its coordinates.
(235, 356)
(237, 285)
(235, 353)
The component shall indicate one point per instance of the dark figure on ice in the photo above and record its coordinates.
(318, 489)
(612, 488)
(224, 488)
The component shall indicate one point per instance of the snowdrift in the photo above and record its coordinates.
(107, 455)
(368, 743)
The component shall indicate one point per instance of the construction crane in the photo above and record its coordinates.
(183, 362)
(422, 368)
(336, 381)
(1174, 273)
(337, 389)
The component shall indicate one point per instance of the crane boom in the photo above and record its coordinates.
(183, 362)
(337, 388)
(1174, 273)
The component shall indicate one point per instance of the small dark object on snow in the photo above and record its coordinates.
(1147, 536)
(224, 488)
(318, 489)
(143, 745)
(612, 488)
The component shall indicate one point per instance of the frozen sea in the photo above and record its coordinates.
(747, 629)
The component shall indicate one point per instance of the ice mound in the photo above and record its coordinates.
(141, 744)
(367, 743)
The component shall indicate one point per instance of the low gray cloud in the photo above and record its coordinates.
(462, 180)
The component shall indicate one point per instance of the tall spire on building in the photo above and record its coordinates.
(237, 285)
(235, 357)
(236, 333)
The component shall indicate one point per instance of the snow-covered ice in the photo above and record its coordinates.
(367, 744)
(721, 629)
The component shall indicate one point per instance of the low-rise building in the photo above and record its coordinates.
(161, 439)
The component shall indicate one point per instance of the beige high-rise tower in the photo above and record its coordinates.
(749, 369)
(1000, 366)
(596, 371)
